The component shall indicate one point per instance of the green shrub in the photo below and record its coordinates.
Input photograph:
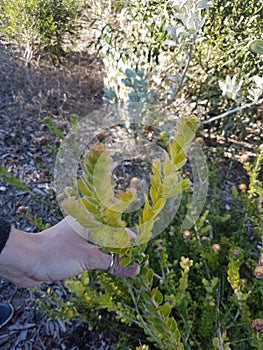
(154, 37)
(199, 290)
(39, 27)
(224, 50)
(166, 43)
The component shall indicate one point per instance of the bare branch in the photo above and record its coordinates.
(234, 110)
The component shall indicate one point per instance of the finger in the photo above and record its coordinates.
(123, 271)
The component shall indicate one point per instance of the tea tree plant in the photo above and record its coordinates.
(253, 199)
(99, 210)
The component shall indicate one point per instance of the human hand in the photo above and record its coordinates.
(55, 254)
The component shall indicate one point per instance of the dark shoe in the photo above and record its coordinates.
(6, 312)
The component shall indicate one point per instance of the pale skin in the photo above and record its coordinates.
(55, 254)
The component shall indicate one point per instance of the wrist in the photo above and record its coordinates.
(5, 229)
(20, 257)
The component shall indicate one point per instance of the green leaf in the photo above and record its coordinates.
(147, 275)
(88, 205)
(167, 167)
(145, 230)
(53, 128)
(156, 296)
(74, 208)
(157, 324)
(179, 160)
(165, 309)
(125, 261)
(173, 329)
(178, 188)
(13, 180)
(107, 236)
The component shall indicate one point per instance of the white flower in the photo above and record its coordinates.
(189, 12)
(259, 81)
(256, 92)
(230, 88)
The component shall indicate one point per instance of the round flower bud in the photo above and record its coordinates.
(216, 248)
(244, 158)
(236, 253)
(186, 262)
(258, 272)
(200, 140)
(187, 235)
(42, 140)
(204, 240)
(22, 209)
(242, 187)
(60, 197)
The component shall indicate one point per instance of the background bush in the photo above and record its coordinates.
(224, 50)
(39, 27)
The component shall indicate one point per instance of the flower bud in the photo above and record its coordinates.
(186, 262)
(244, 158)
(187, 235)
(22, 209)
(204, 240)
(242, 187)
(200, 140)
(216, 248)
(257, 324)
(258, 272)
(42, 140)
(236, 253)
(60, 196)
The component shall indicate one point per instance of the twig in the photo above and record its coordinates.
(190, 54)
(147, 329)
(219, 335)
(234, 110)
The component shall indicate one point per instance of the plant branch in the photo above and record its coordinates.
(234, 110)
(190, 54)
(145, 326)
(219, 335)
